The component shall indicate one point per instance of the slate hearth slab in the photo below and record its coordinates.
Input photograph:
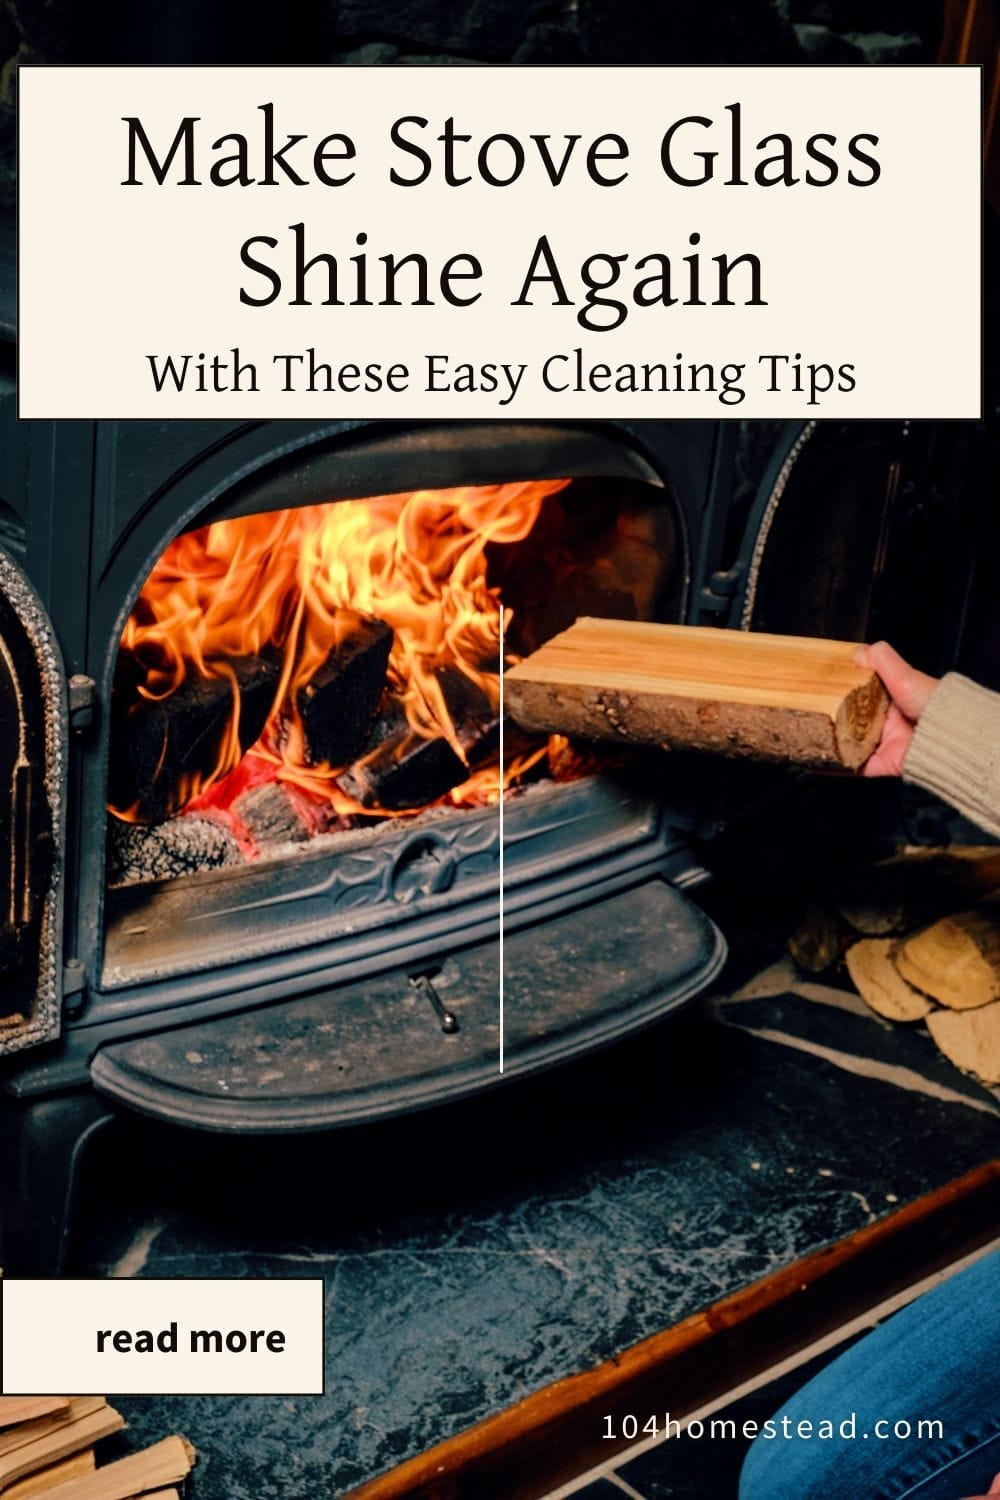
(476, 1252)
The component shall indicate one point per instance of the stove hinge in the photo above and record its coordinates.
(74, 986)
(718, 594)
(82, 702)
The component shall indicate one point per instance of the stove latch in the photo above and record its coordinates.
(423, 986)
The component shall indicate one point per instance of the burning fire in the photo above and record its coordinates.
(281, 581)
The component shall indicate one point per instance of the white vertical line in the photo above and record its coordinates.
(501, 834)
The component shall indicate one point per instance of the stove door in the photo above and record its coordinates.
(33, 753)
(864, 530)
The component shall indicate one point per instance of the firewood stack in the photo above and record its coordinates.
(920, 937)
(47, 1449)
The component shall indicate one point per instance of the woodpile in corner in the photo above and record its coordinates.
(910, 963)
(47, 1449)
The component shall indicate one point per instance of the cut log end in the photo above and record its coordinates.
(970, 1039)
(956, 960)
(879, 983)
(859, 721)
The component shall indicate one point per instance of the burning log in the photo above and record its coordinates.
(339, 703)
(163, 746)
(270, 815)
(405, 771)
(780, 698)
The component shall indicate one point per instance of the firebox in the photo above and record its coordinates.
(264, 810)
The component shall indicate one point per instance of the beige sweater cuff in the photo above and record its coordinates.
(955, 750)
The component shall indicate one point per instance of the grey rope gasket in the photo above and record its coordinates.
(767, 521)
(47, 1012)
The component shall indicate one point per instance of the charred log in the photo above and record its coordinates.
(270, 815)
(405, 771)
(181, 846)
(339, 703)
(160, 745)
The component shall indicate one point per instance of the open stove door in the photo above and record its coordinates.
(33, 756)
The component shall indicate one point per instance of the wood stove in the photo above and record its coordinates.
(174, 958)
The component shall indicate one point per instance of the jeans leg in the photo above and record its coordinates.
(935, 1362)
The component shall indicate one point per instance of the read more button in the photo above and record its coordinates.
(163, 1337)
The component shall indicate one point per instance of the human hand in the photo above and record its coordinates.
(910, 692)
(994, 1489)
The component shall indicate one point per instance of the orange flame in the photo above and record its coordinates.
(416, 561)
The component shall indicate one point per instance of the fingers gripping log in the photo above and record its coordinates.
(789, 699)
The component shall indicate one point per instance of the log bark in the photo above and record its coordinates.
(788, 699)
(956, 960)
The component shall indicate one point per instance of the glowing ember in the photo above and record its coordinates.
(281, 582)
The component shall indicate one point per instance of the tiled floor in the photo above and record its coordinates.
(472, 1255)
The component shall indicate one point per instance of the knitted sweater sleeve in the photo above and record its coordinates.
(955, 750)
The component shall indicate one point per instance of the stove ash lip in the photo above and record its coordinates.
(561, 841)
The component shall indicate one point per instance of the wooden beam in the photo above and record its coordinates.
(555, 1434)
(790, 699)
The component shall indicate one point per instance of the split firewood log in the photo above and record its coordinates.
(26, 1408)
(63, 1439)
(46, 1479)
(789, 699)
(163, 1465)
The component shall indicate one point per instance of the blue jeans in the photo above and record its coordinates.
(936, 1360)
